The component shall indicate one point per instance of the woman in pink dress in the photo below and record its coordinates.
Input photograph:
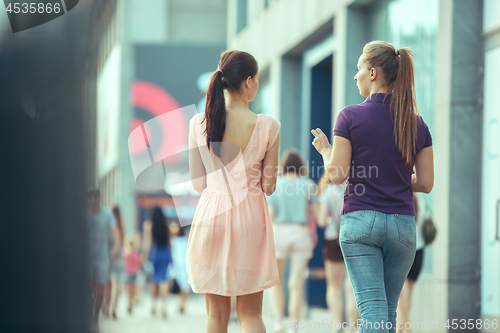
(233, 160)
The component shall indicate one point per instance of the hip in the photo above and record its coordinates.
(378, 229)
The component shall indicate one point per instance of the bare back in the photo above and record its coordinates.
(253, 137)
(240, 126)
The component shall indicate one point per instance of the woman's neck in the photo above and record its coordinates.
(236, 101)
(379, 90)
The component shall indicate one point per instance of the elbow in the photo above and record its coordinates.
(337, 180)
(423, 188)
(268, 189)
(198, 189)
(428, 185)
(427, 188)
(268, 193)
(199, 186)
(335, 176)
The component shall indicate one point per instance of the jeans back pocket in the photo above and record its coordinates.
(406, 229)
(359, 224)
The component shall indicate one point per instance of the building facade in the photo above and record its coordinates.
(159, 39)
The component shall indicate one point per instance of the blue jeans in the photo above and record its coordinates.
(378, 252)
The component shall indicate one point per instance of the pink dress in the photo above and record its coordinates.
(131, 262)
(231, 243)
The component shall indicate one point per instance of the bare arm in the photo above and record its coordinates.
(196, 167)
(146, 240)
(315, 209)
(118, 243)
(270, 168)
(337, 159)
(322, 215)
(423, 178)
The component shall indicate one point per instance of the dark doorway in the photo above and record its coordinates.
(321, 110)
(321, 116)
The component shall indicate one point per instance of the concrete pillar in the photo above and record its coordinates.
(457, 152)
(465, 156)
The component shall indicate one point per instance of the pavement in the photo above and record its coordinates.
(193, 320)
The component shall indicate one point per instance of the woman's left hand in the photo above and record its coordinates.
(320, 141)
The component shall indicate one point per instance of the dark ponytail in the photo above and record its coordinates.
(159, 230)
(399, 76)
(404, 104)
(119, 223)
(234, 68)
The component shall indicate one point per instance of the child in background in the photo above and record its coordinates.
(178, 243)
(131, 257)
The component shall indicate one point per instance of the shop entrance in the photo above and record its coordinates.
(317, 88)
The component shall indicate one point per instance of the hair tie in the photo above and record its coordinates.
(396, 51)
(220, 72)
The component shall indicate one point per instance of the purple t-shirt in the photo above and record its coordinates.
(380, 179)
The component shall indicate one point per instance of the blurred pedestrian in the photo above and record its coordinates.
(233, 159)
(145, 271)
(117, 271)
(101, 223)
(405, 299)
(376, 145)
(131, 257)
(156, 248)
(178, 243)
(338, 285)
(289, 207)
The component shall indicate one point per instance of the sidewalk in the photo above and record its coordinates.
(141, 321)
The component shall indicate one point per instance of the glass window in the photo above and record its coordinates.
(491, 19)
(413, 24)
(241, 15)
(263, 100)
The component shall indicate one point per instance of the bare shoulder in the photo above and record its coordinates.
(240, 123)
(270, 119)
(242, 118)
(198, 119)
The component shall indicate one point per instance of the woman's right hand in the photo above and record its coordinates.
(321, 142)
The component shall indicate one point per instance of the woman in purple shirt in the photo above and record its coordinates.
(377, 144)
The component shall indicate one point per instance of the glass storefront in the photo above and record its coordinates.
(413, 24)
(490, 202)
(263, 100)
